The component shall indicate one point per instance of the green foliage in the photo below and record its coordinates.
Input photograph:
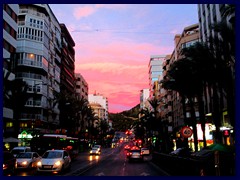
(124, 120)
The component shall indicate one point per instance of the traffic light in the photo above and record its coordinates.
(226, 133)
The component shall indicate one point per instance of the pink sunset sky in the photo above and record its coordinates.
(114, 42)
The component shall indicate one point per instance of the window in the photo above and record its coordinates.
(23, 125)
(9, 124)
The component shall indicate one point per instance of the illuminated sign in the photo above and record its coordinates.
(208, 131)
(24, 135)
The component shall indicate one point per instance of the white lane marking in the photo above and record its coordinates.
(144, 174)
(100, 174)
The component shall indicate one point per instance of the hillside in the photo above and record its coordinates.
(123, 121)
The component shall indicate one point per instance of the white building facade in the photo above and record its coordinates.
(38, 63)
(100, 99)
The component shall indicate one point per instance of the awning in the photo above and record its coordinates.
(11, 139)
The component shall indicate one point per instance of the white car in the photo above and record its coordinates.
(97, 146)
(95, 151)
(16, 150)
(54, 161)
(27, 160)
(145, 151)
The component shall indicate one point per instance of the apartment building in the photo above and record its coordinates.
(81, 86)
(210, 14)
(100, 99)
(38, 64)
(144, 96)
(10, 12)
(154, 71)
(171, 102)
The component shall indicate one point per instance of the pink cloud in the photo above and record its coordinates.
(83, 11)
(87, 10)
(116, 69)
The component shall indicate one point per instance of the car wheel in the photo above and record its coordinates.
(69, 167)
(13, 171)
(30, 165)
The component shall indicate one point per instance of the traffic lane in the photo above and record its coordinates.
(82, 162)
(118, 165)
(86, 161)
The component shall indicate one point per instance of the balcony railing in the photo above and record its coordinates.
(26, 116)
(32, 63)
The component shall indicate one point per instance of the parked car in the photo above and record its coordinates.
(145, 151)
(27, 160)
(95, 151)
(205, 153)
(16, 150)
(182, 152)
(135, 154)
(9, 163)
(54, 161)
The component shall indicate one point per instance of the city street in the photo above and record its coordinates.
(111, 162)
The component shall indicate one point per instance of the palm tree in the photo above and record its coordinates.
(183, 77)
(204, 62)
(90, 121)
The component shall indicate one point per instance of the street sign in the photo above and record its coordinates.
(186, 132)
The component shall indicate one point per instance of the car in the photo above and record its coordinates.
(145, 151)
(135, 154)
(98, 146)
(54, 161)
(127, 147)
(182, 152)
(27, 160)
(204, 154)
(95, 151)
(16, 150)
(9, 163)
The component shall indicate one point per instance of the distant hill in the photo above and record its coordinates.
(123, 120)
(132, 112)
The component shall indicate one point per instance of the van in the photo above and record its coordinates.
(16, 150)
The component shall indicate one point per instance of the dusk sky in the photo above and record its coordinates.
(114, 43)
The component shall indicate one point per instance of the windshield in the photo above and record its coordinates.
(52, 155)
(24, 155)
(17, 151)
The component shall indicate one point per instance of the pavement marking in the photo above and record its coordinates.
(144, 174)
(100, 174)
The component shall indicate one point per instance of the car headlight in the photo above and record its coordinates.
(24, 163)
(58, 163)
(39, 163)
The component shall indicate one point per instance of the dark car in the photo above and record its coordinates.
(135, 154)
(9, 163)
(182, 152)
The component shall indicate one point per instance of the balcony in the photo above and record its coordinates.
(31, 63)
(27, 116)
